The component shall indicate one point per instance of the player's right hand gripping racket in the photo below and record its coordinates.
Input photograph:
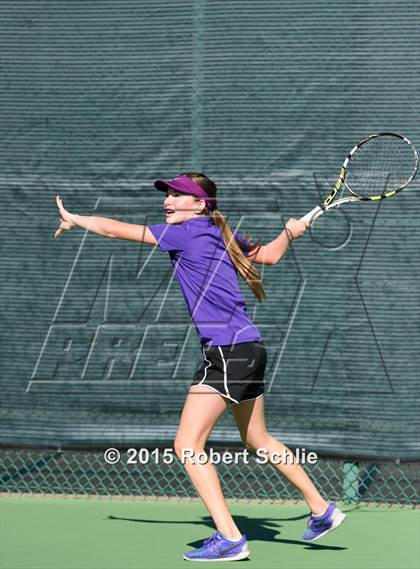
(378, 167)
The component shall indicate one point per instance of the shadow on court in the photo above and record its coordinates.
(256, 529)
(59, 533)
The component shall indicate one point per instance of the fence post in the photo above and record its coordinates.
(351, 482)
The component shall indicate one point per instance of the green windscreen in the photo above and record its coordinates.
(99, 99)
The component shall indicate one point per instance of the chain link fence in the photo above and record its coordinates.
(154, 472)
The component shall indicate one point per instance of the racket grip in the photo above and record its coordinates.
(313, 214)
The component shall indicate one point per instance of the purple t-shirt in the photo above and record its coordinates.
(208, 280)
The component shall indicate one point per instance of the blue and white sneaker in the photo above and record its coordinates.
(218, 548)
(318, 526)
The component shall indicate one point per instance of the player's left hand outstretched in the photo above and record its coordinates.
(66, 219)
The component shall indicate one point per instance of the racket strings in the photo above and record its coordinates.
(380, 165)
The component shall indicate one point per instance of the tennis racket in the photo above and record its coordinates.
(378, 167)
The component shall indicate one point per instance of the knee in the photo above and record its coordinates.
(254, 441)
(184, 444)
(178, 446)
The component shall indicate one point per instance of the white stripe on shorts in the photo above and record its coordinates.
(224, 372)
(224, 377)
(205, 371)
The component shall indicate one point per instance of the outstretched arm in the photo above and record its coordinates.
(103, 226)
(274, 251)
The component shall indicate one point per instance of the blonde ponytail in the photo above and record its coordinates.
(242, 263)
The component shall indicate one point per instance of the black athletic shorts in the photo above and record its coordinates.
(235, 371)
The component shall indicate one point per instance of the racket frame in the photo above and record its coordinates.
(327, 203)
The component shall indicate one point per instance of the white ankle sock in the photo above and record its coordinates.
(320, 515)
(234, 540)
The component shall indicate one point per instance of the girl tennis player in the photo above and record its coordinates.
(206, 256)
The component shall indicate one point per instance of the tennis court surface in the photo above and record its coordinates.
(74, 533)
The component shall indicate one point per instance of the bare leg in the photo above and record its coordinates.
(202, 409)
(249, 417)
